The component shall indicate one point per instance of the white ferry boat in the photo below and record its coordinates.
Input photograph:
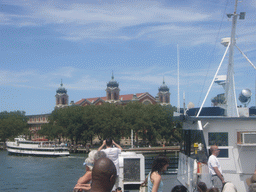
(22, 146)
(231, 128)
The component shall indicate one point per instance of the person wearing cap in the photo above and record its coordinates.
(215, 168)
(84, 182)
(112, 153)
(251, 182)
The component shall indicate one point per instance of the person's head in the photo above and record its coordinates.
(201, 186)
(215, 150)
(213, 190)
(103, 175)
(109, 142)
(251, 180)
(99, 154)
(118, 189)
(89, 161)
(160, 164)
(179, 188)
(229, 187)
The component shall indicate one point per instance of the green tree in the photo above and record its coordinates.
(108, 121)
(12, 124)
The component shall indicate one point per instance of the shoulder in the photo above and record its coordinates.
(155, 176)
(212, 158)
(115, 149)
(107, 149)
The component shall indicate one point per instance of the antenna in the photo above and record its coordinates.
(178, 78)
(184, 104)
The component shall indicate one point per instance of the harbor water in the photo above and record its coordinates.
(29, 173)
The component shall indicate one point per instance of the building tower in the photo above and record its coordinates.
(164, 94)
(61, 97)
(112, 90)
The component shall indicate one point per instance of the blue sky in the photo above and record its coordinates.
(81, 42)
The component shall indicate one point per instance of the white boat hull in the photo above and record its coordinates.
(36, 150)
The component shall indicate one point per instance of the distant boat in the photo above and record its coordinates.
(231, 128)
(21, 146)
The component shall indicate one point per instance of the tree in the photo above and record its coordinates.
(12, 124)
(107, 121)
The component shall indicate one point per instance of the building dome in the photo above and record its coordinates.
(61, 89)
(112, 83)
(163, 87)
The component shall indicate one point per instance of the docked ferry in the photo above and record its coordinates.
(231, 128)
(21, 146)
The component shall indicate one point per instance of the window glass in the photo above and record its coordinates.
(146, 102)
(218, 138)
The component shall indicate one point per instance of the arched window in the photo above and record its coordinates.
(147, 102)
(63, 101)
(115, 96)
(161, 98)
(167, 99)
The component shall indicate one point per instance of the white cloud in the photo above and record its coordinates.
(96, 21)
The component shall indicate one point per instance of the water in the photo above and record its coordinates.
(28, 173)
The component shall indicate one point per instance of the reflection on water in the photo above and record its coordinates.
(28, 173)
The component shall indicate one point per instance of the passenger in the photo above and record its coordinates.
(83, 181)
(201, 187)
(179, 188)
(215, 168)
(214, 189)
(118, 189)
(112, 153)
(229, 187)
(154, 180)
(103, 175)
(251, 182)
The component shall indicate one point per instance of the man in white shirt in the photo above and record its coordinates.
(215, 168)
(112, 153)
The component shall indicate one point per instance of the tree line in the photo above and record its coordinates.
(82, 124)
(12, 124)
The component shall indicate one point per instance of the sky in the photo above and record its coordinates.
(83, 41)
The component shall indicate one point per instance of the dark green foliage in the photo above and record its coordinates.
(82, 124)
(12, 124)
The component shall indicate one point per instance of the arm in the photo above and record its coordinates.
(218, 174)
(85, 178)
(118, 146)
(156, 181)
(103, 144)
(85, 187)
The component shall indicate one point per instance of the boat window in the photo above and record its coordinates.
(218, 138)
(194, 145)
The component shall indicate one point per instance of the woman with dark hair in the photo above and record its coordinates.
(201, 187)
(179, 188)
(155, 183)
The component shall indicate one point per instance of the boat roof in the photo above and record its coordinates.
(220, 117)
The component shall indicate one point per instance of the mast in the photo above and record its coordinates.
(230, 96)
(178, 78)
(231, 110)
